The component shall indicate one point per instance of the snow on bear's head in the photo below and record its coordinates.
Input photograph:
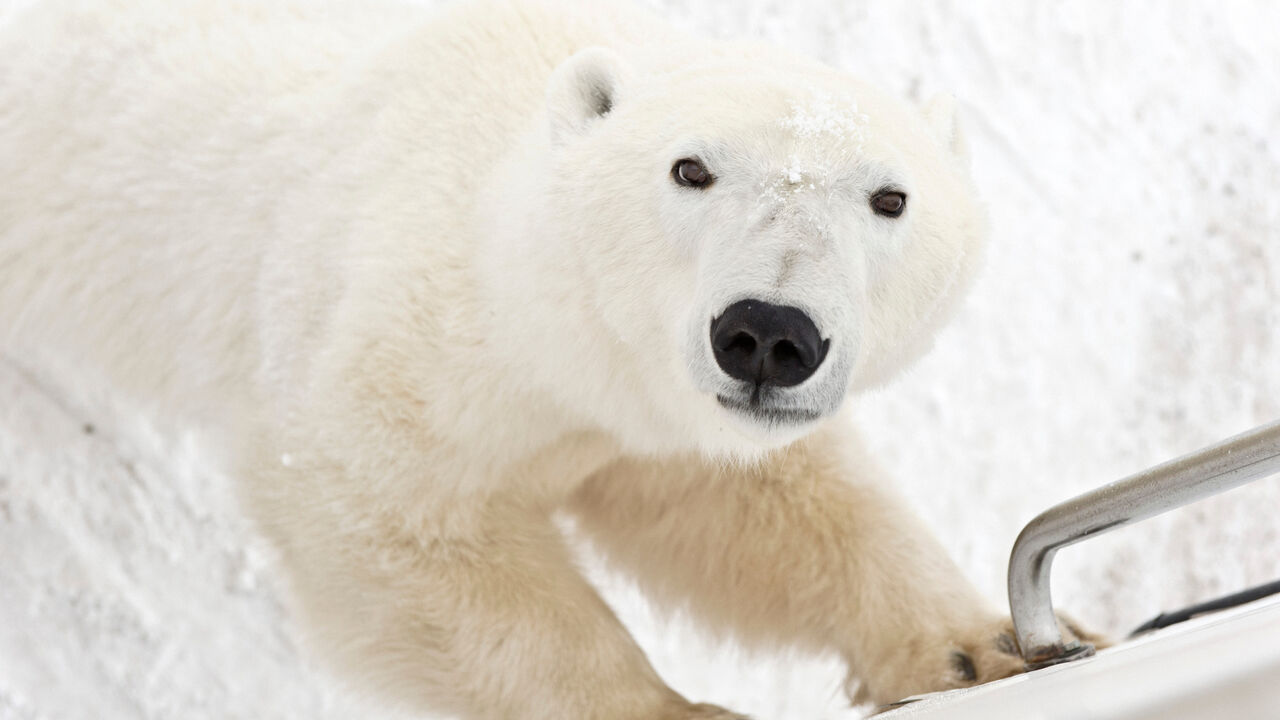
(751, 238)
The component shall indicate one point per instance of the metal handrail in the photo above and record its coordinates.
(1249, 456)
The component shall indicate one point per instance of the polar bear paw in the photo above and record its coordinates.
(986, 652)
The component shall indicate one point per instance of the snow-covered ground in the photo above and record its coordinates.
(1129, 312)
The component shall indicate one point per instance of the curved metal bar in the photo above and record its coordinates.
(1246, 457)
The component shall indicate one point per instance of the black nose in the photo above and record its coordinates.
(767, 344)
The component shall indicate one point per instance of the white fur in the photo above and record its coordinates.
(428, 278)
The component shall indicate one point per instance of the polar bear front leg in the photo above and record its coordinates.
(482, 615)
(802, 550)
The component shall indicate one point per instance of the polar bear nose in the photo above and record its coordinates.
(767, 344)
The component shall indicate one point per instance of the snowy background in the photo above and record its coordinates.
(1129, 312)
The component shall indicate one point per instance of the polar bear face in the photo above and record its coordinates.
(760, 236)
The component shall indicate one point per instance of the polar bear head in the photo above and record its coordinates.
(753, 237)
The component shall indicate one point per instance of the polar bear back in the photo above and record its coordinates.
(231, 161)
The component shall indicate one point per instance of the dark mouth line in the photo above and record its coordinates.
(770, 414)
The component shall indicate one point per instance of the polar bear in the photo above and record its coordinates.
(430, 277)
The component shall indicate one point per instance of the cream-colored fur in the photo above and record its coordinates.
(426, 279)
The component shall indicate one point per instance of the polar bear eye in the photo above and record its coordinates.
(889, 203)
(691, 173)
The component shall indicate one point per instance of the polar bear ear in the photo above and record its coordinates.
(582, 90)
(940, 113)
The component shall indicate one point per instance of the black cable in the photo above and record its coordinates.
(1173, 618)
